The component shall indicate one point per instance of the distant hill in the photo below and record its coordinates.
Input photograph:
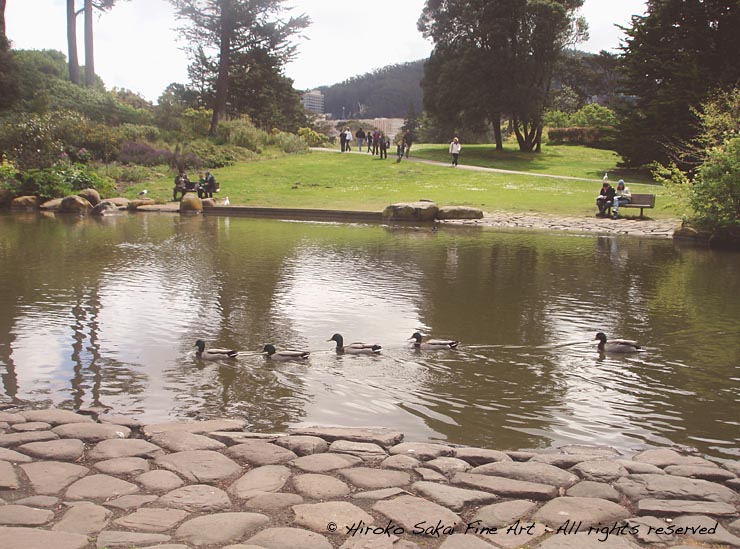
(386, 92)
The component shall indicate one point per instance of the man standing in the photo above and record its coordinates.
(360, 135)
(455, 149)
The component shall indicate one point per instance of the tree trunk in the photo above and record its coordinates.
(89, 51)
(74, 66)
(224, 65)
(4, 44)
(497, 131)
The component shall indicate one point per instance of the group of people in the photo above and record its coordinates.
(205, 187)
(609, 197)
(377, 142)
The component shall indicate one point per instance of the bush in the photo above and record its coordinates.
(125, 173)
(602, 138)
(313, 138)
(288, 142)
(196, 122)
(144, 154)
(212, 156)
(136, 132)
(242, 133)
(61, 180)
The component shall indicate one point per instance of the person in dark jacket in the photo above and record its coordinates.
(408, 138)
(383, 142)
(360, 135)
(605, 199)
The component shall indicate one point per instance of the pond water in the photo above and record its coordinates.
(106, 313)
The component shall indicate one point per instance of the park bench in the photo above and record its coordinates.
(641, 201)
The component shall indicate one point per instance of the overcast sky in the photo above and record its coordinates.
(136, 46)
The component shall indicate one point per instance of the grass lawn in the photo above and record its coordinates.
(330, 180)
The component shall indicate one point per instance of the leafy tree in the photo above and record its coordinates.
(673, 56)
(234, 27)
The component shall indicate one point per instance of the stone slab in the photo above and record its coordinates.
(182, 441)
(272, 502)
(196, 498)
(322, 463)
(99, 487)
(303, 445)
(373, 479)
(55, 416)
(587, 511)
(8, 477)
(9, 440)
(400, 462)
(92, 432)
(480, 456)
(84, 518)
(114, 538)
(123, 466)
(541, 473)
(258, 452)
(663, 457)
(159, 481)
(117, 448)
(295, 538)
(152, 519)
(14, 457)
(592, 489)
(130, 502)
(421, 450)
(268, 478)
(453, 497)
(220, 528)
(637, 487)
(322, 487)
(197, 427)
(22, 515)
(32, 538)
(367, 451)
(54, 450)
(316, 516)
(409, 511)
(201, 466)
(382, 437)
(507, 487)
(505, 513)
(674, 507)
(51, 477)
(599, 470)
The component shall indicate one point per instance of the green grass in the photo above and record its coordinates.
(328, 180)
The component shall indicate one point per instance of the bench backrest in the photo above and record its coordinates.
(644, 199)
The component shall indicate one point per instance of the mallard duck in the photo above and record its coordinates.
(355, 348)
(433, 344)
(274, 354)
(617, 345)
(213, 354)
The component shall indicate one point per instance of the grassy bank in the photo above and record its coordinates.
(362, 182)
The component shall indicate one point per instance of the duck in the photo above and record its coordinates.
(355, 348)
(433, 344)
(274, 354)
(617, 345)
(213, 354)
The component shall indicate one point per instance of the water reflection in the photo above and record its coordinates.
(106, 314)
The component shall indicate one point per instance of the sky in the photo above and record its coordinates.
(137, 46)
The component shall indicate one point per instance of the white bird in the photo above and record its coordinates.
(143, 193)
(606, 177)
(226, 201)
(617, 345)
(355, 348)
(433, 344)
(213, 354)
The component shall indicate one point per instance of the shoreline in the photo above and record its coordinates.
(73, 481)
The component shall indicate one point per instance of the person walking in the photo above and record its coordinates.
(400, 148)
(360, 135)
(342, 139)
(383, 142)
(455, 149)
(347, 139)
(376, 141)
(408, 138)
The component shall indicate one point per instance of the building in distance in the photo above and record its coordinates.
(313, 101)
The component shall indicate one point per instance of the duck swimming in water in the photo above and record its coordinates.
(617, 345)
(355, 348)
(433, 344)
(274, 354)
(213, 354)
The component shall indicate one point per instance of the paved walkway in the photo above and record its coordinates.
(68, 481)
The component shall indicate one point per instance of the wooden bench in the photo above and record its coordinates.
(641, 201)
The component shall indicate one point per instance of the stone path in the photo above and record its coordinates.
(68, 481)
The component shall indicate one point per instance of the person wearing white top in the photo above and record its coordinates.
(623, 196)
(455, 149)
(348, 139)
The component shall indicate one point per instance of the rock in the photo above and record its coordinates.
(295, 538)
(117, 448)
(733, 466)
(183, 441)
(528, 471)
(196, 427)
(129, 502)
(30, 426)
(303, 445)
(230, 438)
(368, 451)
(92, 432)
(421, 450)
(448, 465)
(123, 466)
(32, 538)
(100, 487)
(106, 207)
(13, 456)
(83, 518)
(410, 511)
(480, 456)
(272, 502)
(268, 478)
(220, 528)
(381, 437)
(411, 211)
(507, 487)
(16, 439)
(51, 205)
(430, 474)
(664, 457)
(588, 449)
(190, 203)
(322, 463)
(135, 204)
(647, 529)
(673, 507)
(373, 479)
(592, 489)
(11, 419)
(257, 452)
(383, 493)
(50, 477)
(202, 466)
(564, 461)
(697, 471)
(119, 201)
(599, 471)
(588, 511)
(159, 481)
(401, 462)
(111, 538)
(20, 515)
(464, 541)
(152, 519)
(55, 450)
(196, 498)
(8, 477)
(586, 541)
(639, 468)
(637, 487)
(91, 195)
(706, 530)
(452, 497)
(517, 535)
(504, 514)
(317, 515)
(39, 501)
(25, 203)
(74, 205)
(208, 203)
(55, 416)
(316, 486)
(459, 212)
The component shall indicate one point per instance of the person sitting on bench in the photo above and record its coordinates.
(605, 198)
(182, 185)
(623, 196)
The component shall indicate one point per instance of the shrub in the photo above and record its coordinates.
(144, 154)
(593, 116)
(136, 132)
(557, 119)
(62, 180)
(313, 138)
(205, 153)
(242, 133)
(288, 142)
(125, 173)
(196, 122)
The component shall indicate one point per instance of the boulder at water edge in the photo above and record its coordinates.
(411, 211)
(190, 203)
(91, 195)
(51, 205)
(25, 203)
(119, 201)
(208, 202)
(133, 205)
(75, 205)
(459, 212)
(106, 207)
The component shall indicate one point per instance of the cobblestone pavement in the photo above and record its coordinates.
(68, 481)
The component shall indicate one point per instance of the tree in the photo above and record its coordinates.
(74, 65)
(236, 27)
(673, 57)
(497, 56)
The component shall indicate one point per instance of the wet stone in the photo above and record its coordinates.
(32, 538)
(51, 477)
(317, 515)
(733, 466)
(91, 432)
(197, 427)
(588, 511)
(57, 450)
(713, 534)
(322, 463)
(529, 471)
(664, 457)
(197, 498)
(507, 487)
(159, 481)
(637, 487)
(84, 518)
(599, 471)
(430, 474)
(272, 502)
(480, 456)
(317, 486)
(381, 437)
(55, 416)
(714, 474)
(295, 538)
(8, 477)
(10, 440)
(220, 528)
(183, 441)
(100, 487)
(408, 511)
(563, 461)
(113, 538)
(115, 448)
(448, 465)
(123, 466)
(257, 453)
(373, 479)
(520, 455)
(268, 478)
(673, 507)
(129, 502)
(303, 445)
(640, 468)
(401, 462)
(11, 419)
(130, 422)
(452, 497)
(152, 519)
(422, 450)
(13, 456)
(39, 501)
(587, 449)
(505, 513)
(201, 466)
(21, 515)
(376, 495)
(367, 451)
(230, 438)
(31, 426)
(591, 489)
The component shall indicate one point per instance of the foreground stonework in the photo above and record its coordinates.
(70, 481)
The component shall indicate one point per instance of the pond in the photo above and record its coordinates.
(107, 312)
